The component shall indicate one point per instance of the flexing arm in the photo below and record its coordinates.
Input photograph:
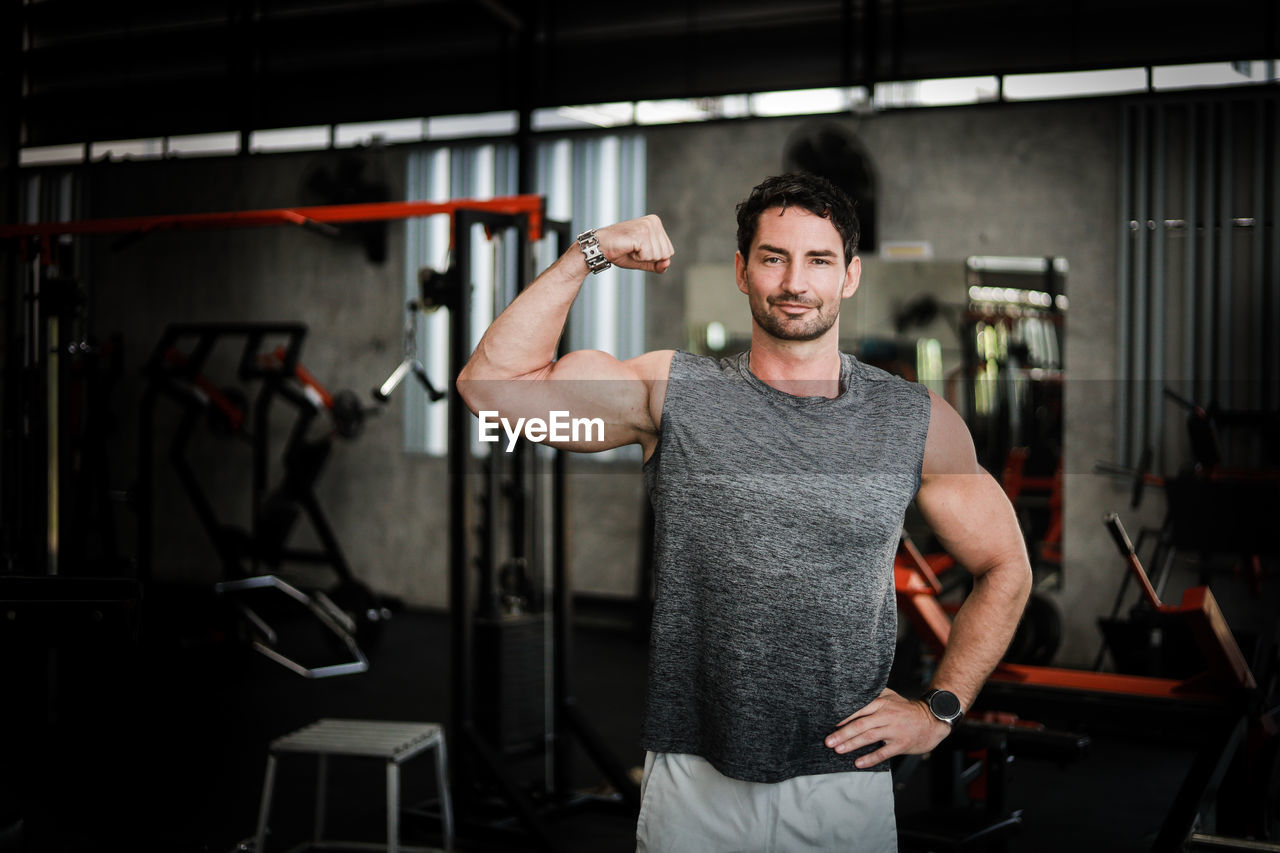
(514, 370)
(973, 520)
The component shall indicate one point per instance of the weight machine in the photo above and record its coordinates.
(251, 558)
(1220, 709)
(517, 504)
(1212, 508)
(509, 530)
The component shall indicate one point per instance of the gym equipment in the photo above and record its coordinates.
(1222, 656)
(1039, 633)
(44, 505)
(510, 597)
(968, 781)
(311, 217)
(435, 291)
(1219, 709)
(1012, 340)
(392, 742)
(175, 371)
(1212, 511)
(56, 504)
(1038, 503)
(480, 766)
(267, 639)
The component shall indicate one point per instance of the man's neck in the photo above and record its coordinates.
(799, 368)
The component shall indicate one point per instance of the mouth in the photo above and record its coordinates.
(793, 308)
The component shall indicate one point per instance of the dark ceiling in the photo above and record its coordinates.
(84, 70)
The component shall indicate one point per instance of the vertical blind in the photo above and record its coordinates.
(587, 182)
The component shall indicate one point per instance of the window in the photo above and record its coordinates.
(1074, 84)
(588, 182)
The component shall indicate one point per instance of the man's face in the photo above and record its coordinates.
(795, 276)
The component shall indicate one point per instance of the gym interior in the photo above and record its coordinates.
(264, 588)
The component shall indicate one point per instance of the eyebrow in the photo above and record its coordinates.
(812, 253)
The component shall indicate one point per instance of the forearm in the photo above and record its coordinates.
(522, 340)
(983, 627)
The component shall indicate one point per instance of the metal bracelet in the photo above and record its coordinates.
(596, 261)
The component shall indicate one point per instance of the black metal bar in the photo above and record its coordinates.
(523, 808)
(562, 601)
(331, 550)
(1224, 393)
(142, 490)
(486, 561)
(62, 313)
(1270, 378)
(460, 511)
(1205, 304)
(1199, 787)
(945, 777)
(600, 753)
(870, 44)
(998, 760)
(261, 444)
(1191, 213)
(1258, 236)
(1124, 297)
(191, 483)
(519, 543)
(1156, 333)
(846, 42)
(1138, 411)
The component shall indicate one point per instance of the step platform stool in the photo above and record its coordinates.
(393, 742)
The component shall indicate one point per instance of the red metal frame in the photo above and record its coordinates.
(1227, 671)
(531, 205)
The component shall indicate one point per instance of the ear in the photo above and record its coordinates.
(852, 277)
(740, 271)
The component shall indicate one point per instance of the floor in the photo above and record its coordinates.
(161, 745)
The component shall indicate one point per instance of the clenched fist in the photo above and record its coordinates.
(637, 244)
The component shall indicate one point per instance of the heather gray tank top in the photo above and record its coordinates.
(777, 519)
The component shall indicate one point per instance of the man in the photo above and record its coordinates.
(779, 480)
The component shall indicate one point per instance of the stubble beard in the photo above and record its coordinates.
(807, 328)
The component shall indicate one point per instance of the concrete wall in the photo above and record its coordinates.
(1015, 179)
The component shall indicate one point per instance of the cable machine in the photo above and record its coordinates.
(509, 586)
(509, 529)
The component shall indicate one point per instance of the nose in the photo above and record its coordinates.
(792, 282)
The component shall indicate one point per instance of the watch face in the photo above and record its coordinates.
(944, 704)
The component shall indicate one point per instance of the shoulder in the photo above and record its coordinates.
(652, 366)
(948, 447)
(654, 369)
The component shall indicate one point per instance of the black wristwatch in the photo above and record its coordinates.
(943, 704)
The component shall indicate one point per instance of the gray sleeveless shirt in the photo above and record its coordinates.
(777, 518)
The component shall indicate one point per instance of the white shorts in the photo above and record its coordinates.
(688, 805)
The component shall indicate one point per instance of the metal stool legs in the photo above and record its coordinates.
(393, 742)
(264, 807)
(446, 804)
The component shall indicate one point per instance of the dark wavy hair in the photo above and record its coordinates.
(799, 189)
